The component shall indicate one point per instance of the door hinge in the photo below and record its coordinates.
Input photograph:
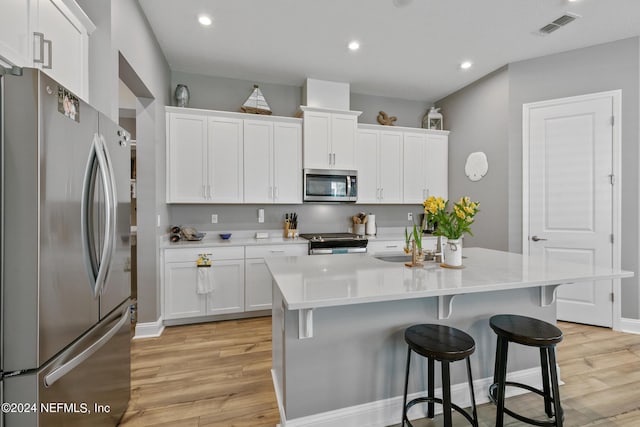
(611, 238)
(612, 178)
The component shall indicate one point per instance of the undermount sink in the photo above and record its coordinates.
(394, 258)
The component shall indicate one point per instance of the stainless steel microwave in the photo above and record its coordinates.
(330, 185)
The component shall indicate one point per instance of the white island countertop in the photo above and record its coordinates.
(334, 280)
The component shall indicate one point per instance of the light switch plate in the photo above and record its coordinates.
(262, 235)
(260, 216)
(214, 218)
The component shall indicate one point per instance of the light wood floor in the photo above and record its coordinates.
(218, 374)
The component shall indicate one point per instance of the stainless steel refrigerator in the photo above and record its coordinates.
(66, 306)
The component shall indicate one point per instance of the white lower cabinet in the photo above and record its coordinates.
(239, 284)
(181, 275)
(257, 276)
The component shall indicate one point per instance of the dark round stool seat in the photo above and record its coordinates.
(439, 342)
(525, 330)
(443, 344)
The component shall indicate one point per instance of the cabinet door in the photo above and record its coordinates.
(367, 166)
(414, 185)
(343, 137)
(287, 162)
(228, 283)
(258, 164)
(437, 155)
(225, 155)
(69, 45)
(390, 167)
(186, 158)
(258, 285)
(15, 38)
(180, 297)
(317, 140)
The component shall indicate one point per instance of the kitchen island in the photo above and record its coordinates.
(338, 323)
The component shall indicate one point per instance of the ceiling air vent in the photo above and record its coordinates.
(560, 22)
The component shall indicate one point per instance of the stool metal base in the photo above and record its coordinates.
(458, 409)
(492, 396)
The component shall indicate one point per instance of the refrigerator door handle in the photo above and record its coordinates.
(97, 271)
(111, 215)
(64, 369)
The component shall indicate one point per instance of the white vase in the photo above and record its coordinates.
(453, 252)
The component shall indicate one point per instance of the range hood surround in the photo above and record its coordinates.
(326, 94)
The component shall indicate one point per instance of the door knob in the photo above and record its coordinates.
(536, 238)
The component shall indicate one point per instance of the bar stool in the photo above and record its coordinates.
(446, 345)
(534, 333)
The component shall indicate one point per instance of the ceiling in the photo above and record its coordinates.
(410, 49)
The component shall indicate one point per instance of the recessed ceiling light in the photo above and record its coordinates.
(466, 65)
(204, 20)
(354, 45)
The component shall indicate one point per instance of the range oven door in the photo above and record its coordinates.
(329, 185)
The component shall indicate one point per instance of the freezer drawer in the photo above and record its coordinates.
(87, 384)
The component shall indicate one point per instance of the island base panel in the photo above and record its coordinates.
(357, 354)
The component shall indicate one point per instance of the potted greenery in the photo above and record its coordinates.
(452, 224)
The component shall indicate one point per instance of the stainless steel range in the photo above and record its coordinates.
(335, 243)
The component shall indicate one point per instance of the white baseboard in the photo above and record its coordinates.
(630, 325)
(389, 411)
(149, 329)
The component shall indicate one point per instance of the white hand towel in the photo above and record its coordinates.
(205, 283)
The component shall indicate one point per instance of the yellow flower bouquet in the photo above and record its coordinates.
(451, 224)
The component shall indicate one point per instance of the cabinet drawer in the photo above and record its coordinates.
(374, 248)
(277, 250)
(215, 253)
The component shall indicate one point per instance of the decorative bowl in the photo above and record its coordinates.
(225, 236)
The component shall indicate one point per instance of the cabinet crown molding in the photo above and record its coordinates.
(330, 110)
(230, 114)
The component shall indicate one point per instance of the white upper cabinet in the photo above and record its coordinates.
(15, 40)
(225, 155)
(52, 35)
(272, 161)
(379, 164)
(329, 138)
(187, 158)
(204, 158)
(425, 166)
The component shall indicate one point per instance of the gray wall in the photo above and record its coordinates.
(408, 113)
(478, 118)
(123, 29)
(224, 94)
(312, 218)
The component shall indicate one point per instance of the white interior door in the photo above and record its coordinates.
(571, 196)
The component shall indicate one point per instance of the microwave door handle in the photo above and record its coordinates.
(348, 186)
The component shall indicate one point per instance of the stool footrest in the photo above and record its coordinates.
(460, 410)
(493, 398)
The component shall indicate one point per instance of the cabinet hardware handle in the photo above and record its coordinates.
(50, 52)
(329, 158)
(276, 252)
(392, 246)
(38, 36)
(204, 191)
(276, 196)
(537, 239)
(381, 196)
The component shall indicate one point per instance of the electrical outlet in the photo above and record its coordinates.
(410, 216)
(214, 218)
(260, 216)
